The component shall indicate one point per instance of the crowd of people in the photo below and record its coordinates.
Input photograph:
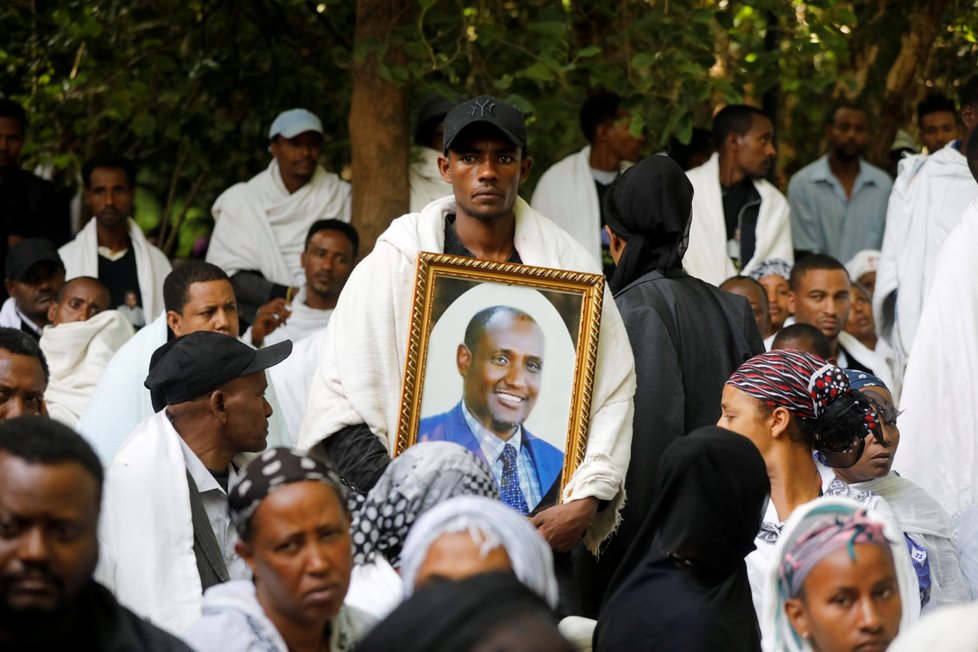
(201, 454)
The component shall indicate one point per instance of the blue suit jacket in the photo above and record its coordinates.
(451, 426)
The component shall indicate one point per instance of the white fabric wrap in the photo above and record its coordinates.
(706, 256)
(77, 353)
(80, 257)
(876, 362)
(426, 182)
(259, 225)
(567, 195)
(939, 426)
(359, 378)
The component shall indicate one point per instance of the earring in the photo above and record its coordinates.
(806, 635)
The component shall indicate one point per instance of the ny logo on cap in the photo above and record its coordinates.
(480, 107)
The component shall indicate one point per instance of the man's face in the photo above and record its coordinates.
(754, 151)
(621, 142)
(22, 385)
(847, 134)
(48, 543)
(247, 413)
(297, 157)
(110, 196)
(11, 140)
(501, 377)
(300, 553)
(211, 306)
(937, 129)
(485, 170)
(36, 292)
(822, 300)
(81, 300)
(327, 261)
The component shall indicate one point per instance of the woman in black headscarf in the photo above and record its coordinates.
(687, 337)
(690, 592)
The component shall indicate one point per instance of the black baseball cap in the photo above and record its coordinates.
(191, 366)
(27, 253)
(486, 109)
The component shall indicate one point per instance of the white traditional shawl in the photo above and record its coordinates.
(260, 226)
(80, 257)
(939, 426)
(291, 379)
(926, 203)
(359, 378)
(872, 359)
(426, 182)
(567, 195)
(77, 353)
(706, 256)
(302, 322)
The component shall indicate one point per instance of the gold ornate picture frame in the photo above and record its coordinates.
(466, 376)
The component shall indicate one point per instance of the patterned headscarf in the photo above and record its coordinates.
(804, 384)
(417, 480)
(270, 471)
(771, 267)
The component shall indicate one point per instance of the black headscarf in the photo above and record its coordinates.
(691, 587)
(649, 206)
(458, 616)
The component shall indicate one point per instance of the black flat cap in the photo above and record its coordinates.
(27, 253)
(196, 364)
(488, 110)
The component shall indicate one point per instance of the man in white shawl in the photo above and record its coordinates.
(199, 296)
(424, 177)
(570, 192)
(33, 275)
(940, 389)
(327, 260)
(82, 338)
(739, 218)
(927, 202)
(166, 534)
(111, 247)
(353, 406)
(260, 225)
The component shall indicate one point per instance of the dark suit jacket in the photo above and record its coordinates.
(451, 426)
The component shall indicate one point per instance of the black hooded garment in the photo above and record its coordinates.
(690, 590)
(687, 337)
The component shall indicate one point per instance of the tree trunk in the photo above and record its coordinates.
(925, 21)
(378, 121)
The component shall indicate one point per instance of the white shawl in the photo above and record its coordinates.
(302, 322)
(939, 428)
(260, 226)
(77, 353)
(567, 195)
(80, 257)
(146, 533)
(292, 377)
(426, 182)
(359, 378)
(706, 256)
(876, 363)
(927, 202)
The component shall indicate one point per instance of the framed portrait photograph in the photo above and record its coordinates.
(501, 360)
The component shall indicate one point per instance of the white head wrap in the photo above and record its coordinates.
(491, 524)
(864, 261)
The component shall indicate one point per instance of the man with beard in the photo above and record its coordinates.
(112, 247)
(49, 512)
(739, 219)
(260, 225)
(34, 275)
(838, 203)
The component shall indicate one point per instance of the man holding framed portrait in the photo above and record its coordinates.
(354, 404)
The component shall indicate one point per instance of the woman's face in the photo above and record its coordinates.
(455, 556)
(777, 299)
(743, 414)
(860, 323)
(877, 459)
(849, 604)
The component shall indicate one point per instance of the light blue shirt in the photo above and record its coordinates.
(492, 447)
(824, 221)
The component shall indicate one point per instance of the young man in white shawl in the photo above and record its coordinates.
(353, 406)
(928, 200)
(570, 192)
(166, 534)
(83, 336)
(112, 247)
(426, 182)
(739, 218)
(260, 225)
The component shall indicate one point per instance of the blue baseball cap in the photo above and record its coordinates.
(293, 122)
